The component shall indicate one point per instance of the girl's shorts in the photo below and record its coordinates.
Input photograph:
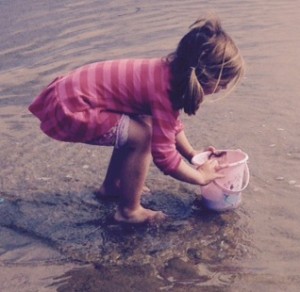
(91, 126)
(116, 136)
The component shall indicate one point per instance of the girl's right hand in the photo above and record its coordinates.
(211, 149)
(193, 153)
(210, 171)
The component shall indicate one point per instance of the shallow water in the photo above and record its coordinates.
(55, 236)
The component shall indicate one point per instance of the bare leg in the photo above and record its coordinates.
(133, 173)
(111, 183)
(110, 187)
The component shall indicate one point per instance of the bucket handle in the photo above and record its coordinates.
(247, 179)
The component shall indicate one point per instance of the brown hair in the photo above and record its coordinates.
(206, 58)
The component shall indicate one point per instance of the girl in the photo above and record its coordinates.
(134, 105)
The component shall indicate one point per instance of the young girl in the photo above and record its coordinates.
(134, 105)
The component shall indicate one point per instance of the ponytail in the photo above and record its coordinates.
(193, 95)
(205, 60)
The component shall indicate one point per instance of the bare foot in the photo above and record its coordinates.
(140, 215)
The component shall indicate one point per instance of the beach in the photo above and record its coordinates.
(56, 236)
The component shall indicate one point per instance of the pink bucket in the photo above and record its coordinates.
(225, 193)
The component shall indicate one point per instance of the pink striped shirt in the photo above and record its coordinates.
(128, 86)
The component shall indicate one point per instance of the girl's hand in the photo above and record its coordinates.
(195, 152)
(210, 171)
(211, 149)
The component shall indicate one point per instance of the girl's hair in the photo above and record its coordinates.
(206, 58)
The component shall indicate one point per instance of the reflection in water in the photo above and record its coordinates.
(84, 230)
(190, 249)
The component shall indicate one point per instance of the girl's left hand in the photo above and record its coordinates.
(211, 149)
(193, 153)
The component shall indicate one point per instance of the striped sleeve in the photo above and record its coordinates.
(165, 125)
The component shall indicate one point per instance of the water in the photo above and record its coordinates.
(56, 237)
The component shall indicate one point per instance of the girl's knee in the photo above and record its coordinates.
(146, 120)
(139, 134)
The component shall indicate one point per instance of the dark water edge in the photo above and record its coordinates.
(191, 249)
(54, 234)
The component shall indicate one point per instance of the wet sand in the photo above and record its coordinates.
(55, 236)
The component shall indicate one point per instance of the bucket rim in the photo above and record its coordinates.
(206, 153)
(244, 160)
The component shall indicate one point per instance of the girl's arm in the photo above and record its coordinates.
(200, 176)
(184, 147)
(203, 175)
